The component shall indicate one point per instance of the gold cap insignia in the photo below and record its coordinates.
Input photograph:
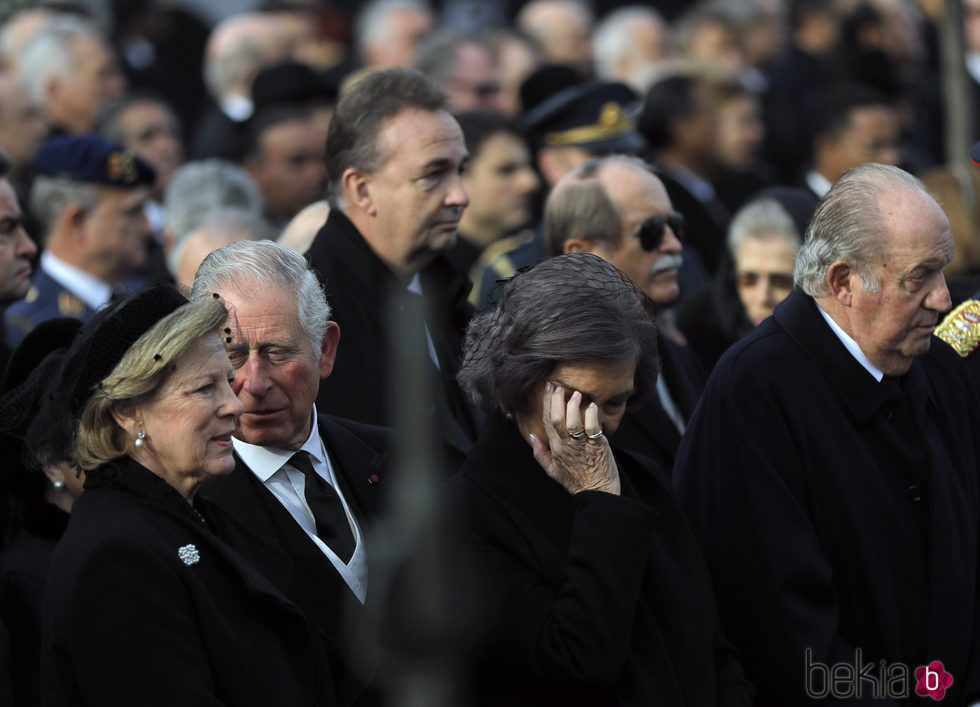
(612, 123)
(121, 167)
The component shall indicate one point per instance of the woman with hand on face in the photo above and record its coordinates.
(153, 595)
(591, 585)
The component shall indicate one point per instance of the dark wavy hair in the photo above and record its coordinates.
(574, 307)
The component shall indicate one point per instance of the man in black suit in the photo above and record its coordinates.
(616, 208)
(309, 488)
(394, 160)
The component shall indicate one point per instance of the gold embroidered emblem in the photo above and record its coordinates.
(121, 167)
(961, 328)
(70, 306)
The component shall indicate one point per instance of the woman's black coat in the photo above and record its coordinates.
(148, 605)
(589, 598)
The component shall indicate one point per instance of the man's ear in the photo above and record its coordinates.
(328, 348)
(582, 245)
(357, 189)
(74, 217)
(840, 280)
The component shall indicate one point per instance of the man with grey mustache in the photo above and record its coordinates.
(616, 207)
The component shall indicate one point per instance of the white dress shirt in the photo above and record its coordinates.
(88, 288)
(852, 346)
(271, 466)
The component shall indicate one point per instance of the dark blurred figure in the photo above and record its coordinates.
(740, 170)
(501, 182)
(850, 125)
(236, 49)
(462, 66)
(161, 48)
(45, 486)
(22, 131)
(679, 121)
(17, 252)
(797, 83)
(562, 31)
(284, 155)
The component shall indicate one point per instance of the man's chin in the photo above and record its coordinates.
(663, 294)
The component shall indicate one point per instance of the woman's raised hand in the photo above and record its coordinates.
(576, 454)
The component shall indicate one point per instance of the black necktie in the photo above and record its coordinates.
(328, 511)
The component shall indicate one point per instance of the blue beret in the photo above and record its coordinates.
(89, 158)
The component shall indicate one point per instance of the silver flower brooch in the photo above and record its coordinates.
(189, 555)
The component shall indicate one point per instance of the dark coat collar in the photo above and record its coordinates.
(799, 316)
(502, 463)
(372, 275)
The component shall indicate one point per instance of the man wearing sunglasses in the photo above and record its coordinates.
(616, 207)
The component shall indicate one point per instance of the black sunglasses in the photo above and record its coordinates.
(651, 233)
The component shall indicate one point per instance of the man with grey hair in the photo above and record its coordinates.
(463, 66)
(218, 227)
(69, 71)
(198, 188)
(89, 197)
(632, 45)
(830, 470)
(387, 32)
(306, 482)
(236, 49)
(616, 207)
(394, 159)
(562, 31)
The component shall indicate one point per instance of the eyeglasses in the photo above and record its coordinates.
(652, 230)
(777, 281)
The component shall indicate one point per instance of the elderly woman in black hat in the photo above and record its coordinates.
(155, 597)
(593, 586)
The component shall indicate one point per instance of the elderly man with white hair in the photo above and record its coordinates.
(236, 49)
(69, 71)
(632, 45)
(387, 32)
(830, 470)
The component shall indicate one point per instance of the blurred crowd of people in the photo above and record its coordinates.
(461, 236)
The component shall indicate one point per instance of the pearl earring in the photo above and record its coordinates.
(58, 485)
(139, 439)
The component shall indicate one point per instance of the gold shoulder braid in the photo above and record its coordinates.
(961, 328)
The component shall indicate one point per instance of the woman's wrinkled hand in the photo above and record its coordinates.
(575, 454)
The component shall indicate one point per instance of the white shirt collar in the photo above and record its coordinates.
(87, 287)
(238, 108)
(266, 461)
(851, 345)
(818, 183)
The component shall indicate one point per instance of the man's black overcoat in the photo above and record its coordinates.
(834, 513)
